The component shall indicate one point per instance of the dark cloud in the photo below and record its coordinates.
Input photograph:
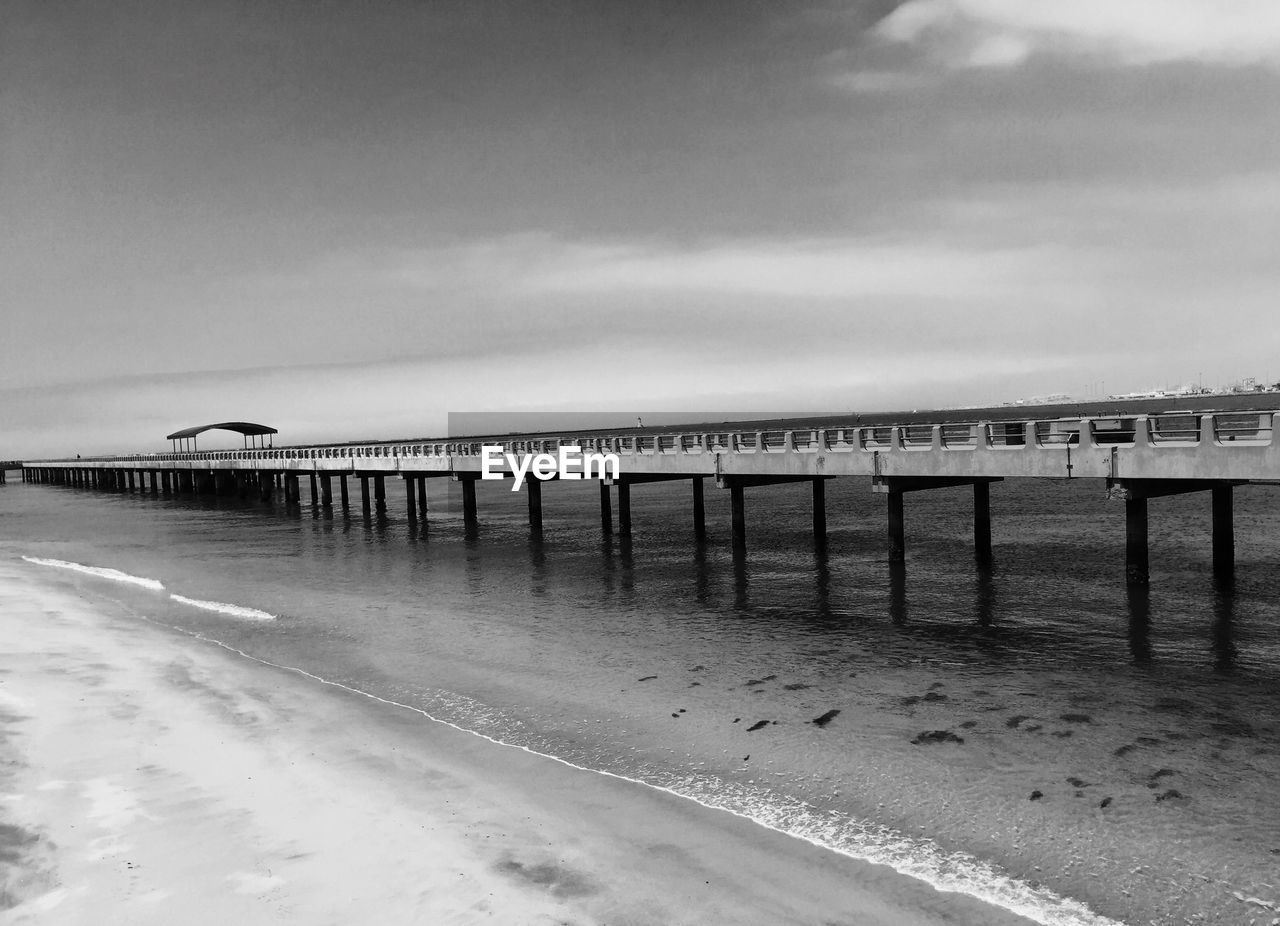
(504, 187)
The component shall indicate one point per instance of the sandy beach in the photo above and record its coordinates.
(152, 777)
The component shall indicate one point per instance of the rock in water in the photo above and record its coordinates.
(936, 736)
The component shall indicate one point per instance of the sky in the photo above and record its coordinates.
(353, 219)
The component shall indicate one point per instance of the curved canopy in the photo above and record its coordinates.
(246, 428)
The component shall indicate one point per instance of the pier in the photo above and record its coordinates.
(1141, 454)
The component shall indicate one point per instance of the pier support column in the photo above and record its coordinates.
(533, 487)
(738, 504)
(1136, 492)
(315, 493)
(326, 491)
(364, 495)
(291, 488)
(266, 485)
(894, 487)
(1224, 533)
(624, 509)
(1137, 567)
(342, 493)
(422, 499)
(410, 498)
(469, 503)
(982, 523)
(606, 509)
(155, 482)
(699, 512)
(897, 528)
(128, 475)
(820, 511)
(380, 494)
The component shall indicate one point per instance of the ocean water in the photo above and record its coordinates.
(1037, 737)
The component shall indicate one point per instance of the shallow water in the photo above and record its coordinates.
(960, 697)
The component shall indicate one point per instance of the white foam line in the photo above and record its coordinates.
(232, 610)
(1000, 890)
(101, 572)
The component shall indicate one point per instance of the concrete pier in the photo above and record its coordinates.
(1143, 452)
(342, 491)
(364, 495)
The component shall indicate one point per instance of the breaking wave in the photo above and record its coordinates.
(221, 607)
(102, 572)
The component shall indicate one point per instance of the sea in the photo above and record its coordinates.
(1035, 735)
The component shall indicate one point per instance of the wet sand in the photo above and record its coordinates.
(151, 777)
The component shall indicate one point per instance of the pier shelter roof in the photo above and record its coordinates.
(250, 431)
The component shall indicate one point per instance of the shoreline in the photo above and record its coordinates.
(154, 776)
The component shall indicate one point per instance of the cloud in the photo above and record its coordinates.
(1001, 33)
(367, 401)
(534, 266)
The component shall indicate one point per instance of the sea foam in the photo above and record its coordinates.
(221, 607)
(102, 572)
